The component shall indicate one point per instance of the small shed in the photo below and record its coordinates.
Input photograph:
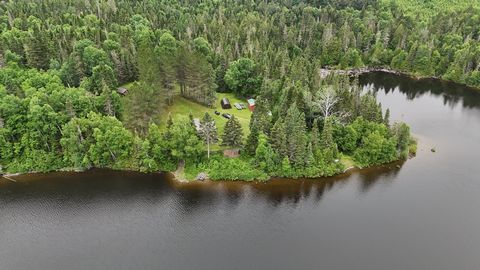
(231, 153)
(251, 104)
(225, 103)
(122, 91)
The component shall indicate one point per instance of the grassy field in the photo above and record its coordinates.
(182, 107)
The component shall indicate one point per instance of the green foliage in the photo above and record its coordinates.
(222, 168)
(184, 143)
(202, 46)
(352, 59)
(167, 44)
(296, 139)
(241, 77)
(69, 115)
(375, 149)
(102, 78)
(402, 134)
(92, 57)
(96, 140)
(265, 158)
(346, 138)
(232, 133)
(158, 150)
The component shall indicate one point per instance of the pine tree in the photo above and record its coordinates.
(327, 135)
(108, 103)
(278, 138)
(386, 119)
(309, 156)
(327, 143)
(252, 139)
(295, 129)
(232, 133)
(196, 77)
(315, 135)
(167, 135)
(37, 49)
(167, 55)
(147, 97)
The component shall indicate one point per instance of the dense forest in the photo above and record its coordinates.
(62, 61)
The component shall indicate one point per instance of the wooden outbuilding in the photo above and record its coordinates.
(251, 104)
(225, 103)
(231, 153)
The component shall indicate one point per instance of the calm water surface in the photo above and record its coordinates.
(424, 214)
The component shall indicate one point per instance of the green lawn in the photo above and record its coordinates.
(182, 107)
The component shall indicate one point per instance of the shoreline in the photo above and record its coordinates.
(179, 178)
(324, 72)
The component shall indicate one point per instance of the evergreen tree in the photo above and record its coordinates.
(278, 138)
(327, 141)
(309, 156)
(295, 129)
(315, 137)
(147, 97)
(265, 158)
(70, 73)
(386, 119)
(402, 133)
(252, 139)
(232, 133)
(37, 49)
(166, 51)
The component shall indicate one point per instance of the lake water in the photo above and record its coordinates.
(424, 214)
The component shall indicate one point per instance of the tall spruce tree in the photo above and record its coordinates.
(232, 133)
(295, 129)
(37, 49)
(278, 138)
(147, 97)
(327, 134)
(315, 138)
(252, 139)
(386, 119)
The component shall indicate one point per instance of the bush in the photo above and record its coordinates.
(376, 149)
(222, 168)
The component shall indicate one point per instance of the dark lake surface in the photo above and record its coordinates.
(424, 214)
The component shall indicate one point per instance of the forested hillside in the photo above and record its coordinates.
(62, 62)
(273, 33)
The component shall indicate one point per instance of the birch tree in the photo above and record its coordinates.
(208, 131)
